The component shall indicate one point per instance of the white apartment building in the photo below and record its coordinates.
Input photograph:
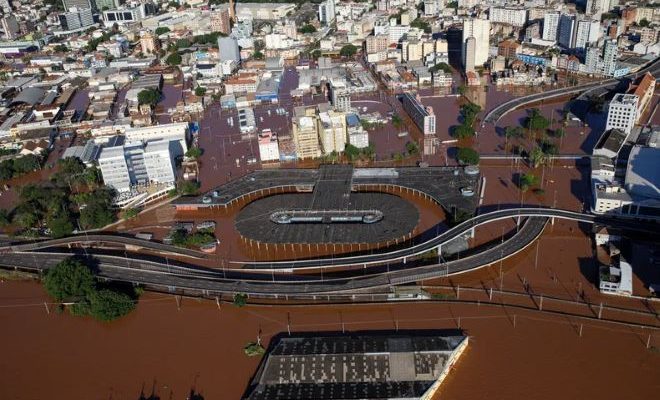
(587, 31)
(622, 113)
(159, 161)
(327, 13)
(114, 168)
(124, 167)
(269, 148)
(176, 131)
(551, 26)
(332, 131)
(516, 16)
(480, 30)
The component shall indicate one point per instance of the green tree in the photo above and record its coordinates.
(526, 181)
(441, 67)
(108, 305)
(559, 133)
(194, 153)
(536, 121)
(173, 59)
(253, 349)
(463, 131)
(421, 24)
(161, 30)
(69, 280)
(96, 210)
(258, 55)
(240, 299)
(307, 29)
(59, 223)
(4, 218)
(397, 121)
(466, 155)
(536, 157)
(412, 148)
(514, 132)
(149, 96)
(348, 50)
(200, 91)
(187, 188)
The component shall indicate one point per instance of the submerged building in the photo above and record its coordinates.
(363, 365)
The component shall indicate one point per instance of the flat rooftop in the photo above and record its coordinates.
(442, 184)
(380, 365)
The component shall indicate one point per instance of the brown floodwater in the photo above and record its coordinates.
(169, 352)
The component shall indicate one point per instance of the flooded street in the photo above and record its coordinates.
(168, 352)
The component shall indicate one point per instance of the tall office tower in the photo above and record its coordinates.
(76, 19)
(551, 25)
(228, 49)
(220, 20)
(470, 48)
(479, 29)
(566, 32)
(610, 55)
(327, 12)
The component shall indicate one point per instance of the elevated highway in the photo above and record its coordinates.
(214, 283)
(500, 110)
(102, 238)
(444, 237)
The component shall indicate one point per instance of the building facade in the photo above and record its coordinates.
(422, 116)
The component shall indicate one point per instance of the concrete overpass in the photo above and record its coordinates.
(499, 111)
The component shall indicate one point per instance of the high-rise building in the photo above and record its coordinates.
(480, 30)
(123, 167)
(566, 34)
(587, 31)
(327, 13)
(470, 48)
(516, 16)
(220, 20)
(610, 56)
(228, 49)
(10, 27)
(305, 132)
(376, 43)
(341, 97)
(422, 116)
(332, 131)
(76, 19)
(551, 25)
(159, 162)
(622, 112)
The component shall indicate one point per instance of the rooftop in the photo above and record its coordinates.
(377, 365)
